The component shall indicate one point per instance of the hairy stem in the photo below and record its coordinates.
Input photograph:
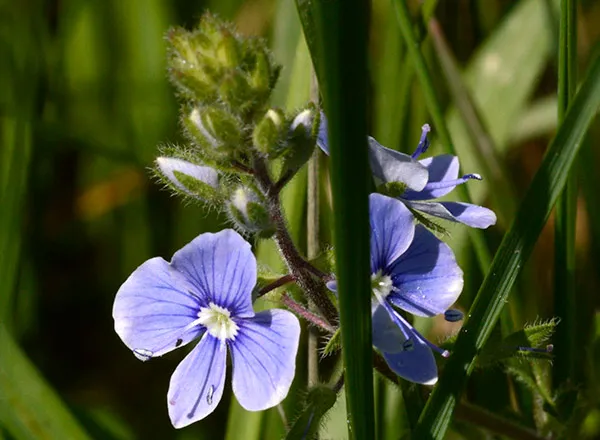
(305, 313)
(275, 284)
(297, 265)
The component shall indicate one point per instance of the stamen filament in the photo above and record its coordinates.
(423, 142)
(449, 183)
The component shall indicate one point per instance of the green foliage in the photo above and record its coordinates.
(319, 400)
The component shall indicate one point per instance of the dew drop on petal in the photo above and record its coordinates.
(408, 345)
(178, 342)
(142, 354)
(453, 315)
(209, 395)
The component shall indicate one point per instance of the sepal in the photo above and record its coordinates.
(301, 142)
(268, 135)
(319, 400)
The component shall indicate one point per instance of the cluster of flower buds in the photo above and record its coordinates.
(212, 63)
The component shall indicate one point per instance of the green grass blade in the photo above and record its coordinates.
(29, 407)
(342, 42)
(512, 254)
(566, 210)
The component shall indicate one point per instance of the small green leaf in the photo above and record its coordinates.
(319, 400)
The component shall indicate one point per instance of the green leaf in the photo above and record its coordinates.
(319, 400)
(512, 254)
(29, 407)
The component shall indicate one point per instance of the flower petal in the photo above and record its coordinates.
(197, 384)
(393, 166)
(223, 269)
(440, 168)
(264, 358)
(392, 230)
(153, 307)
(471, 215)
(417, 365)
(322, 139)
(426, 278)
(387, 336)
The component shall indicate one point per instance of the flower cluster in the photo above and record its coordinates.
(240, 154)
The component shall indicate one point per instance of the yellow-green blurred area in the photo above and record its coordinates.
(85, 104)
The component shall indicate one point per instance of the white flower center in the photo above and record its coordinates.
(382, 285)
(218, 322)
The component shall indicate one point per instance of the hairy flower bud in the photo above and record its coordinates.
(301, 141)
(249, 213)
(215, 131)
(269, 132)
(192, 180)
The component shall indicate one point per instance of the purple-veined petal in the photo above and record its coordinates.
(470, 215)
(387, 335)
(440, 168)
(222, 267)
(417, 365)
(153, 308)
(264, 358)
(392, 166)
(414, 361)
(197, 384)
(322, 136)
(426, 278)
(392, 230)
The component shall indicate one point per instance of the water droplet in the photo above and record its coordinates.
(142, 354)
(209, 395)
(178, 342)
(408, 345)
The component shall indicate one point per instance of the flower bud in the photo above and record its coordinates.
(197, 181)
(249, 213)
(300, 143)
(214, 130)
(269, 132)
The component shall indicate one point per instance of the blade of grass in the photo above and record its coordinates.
(512, 254)
(566, 210)
(342, 42)
(29, 407)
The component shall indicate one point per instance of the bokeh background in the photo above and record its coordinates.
(84, 104)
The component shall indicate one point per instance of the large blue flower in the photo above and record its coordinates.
(440, 178)
(206, 292)
(414, 271)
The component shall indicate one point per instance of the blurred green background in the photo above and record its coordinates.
(84, 103)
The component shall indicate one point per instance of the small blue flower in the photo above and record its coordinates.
(440, 179)
(206, 292)
(414, 271)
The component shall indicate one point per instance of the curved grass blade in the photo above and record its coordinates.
(512, 254)
(29, 407)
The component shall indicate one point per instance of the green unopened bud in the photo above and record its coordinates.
(249, 212)
(235, 91)
(214, 130)
(192, 180)
(301, 142)
(269, 132)
(227, 51)
(260, 76)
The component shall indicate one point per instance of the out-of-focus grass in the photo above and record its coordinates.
(84, 102)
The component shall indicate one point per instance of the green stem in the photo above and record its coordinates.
(312, 238)
(566, 209)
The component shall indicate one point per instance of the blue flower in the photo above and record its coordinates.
(414, 271)
(206, 292)
(441, 177)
